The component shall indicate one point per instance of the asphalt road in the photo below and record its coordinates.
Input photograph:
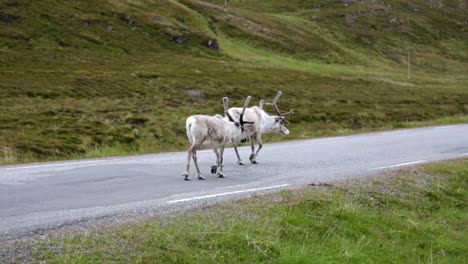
(37, 197)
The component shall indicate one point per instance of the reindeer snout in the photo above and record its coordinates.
(285, 132)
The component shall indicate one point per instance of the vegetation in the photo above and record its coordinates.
(410, 216)
(98, 78)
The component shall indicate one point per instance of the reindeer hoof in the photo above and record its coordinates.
(221, 175)
(186, 177)
(214, 168)
(253, 162)
(201, 178)
(240, 163)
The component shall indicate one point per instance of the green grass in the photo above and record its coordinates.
(99, 78)
(415, 215)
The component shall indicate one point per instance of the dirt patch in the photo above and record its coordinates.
(196, 94)
(137, 122)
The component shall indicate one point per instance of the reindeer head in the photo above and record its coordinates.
(280, 119)
(280, 125)
(241, 122)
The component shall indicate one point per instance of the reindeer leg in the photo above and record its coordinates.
(252, 145)
(260, 145)
(219, 171)
(186, 173)
(239, 160)
(194, 156)
(214, 168)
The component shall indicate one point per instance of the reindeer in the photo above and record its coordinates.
(214, 132)
(263, 123)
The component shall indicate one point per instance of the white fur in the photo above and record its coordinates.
(263, 123)
(214, 132)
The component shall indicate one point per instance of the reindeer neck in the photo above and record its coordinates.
(268, 124)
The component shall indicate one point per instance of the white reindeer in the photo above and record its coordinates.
(214, 132)
(263, 123)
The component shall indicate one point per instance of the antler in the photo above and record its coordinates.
(241, 118)
(275, 106)
(226, 104)
(226, 108)
(262, 103)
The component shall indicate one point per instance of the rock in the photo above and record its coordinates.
(314, 18)
(127, 18)
(414, 7)
(316, 6)
(461, 4)
(180, 39)
(351, 19)
(435, 4)
(347, 2)
(136, 122)
(8, 18)
(356, 124)
(212, 43)
(158, 19)
(321, 184)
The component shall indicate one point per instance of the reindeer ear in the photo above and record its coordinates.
(278, 118)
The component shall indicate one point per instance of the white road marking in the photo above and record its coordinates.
(325, 139)
(394, 132)
(399, 165)
(444, 127)
(226, 193)
(55, 164)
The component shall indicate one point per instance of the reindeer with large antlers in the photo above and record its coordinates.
(263, 123)
(214, 132)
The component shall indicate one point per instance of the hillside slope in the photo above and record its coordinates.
(96, 78)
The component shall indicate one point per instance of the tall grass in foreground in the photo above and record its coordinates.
(410, 216)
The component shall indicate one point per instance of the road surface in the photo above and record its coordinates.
(50, 195)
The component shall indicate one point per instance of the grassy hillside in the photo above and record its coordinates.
(96, 78)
